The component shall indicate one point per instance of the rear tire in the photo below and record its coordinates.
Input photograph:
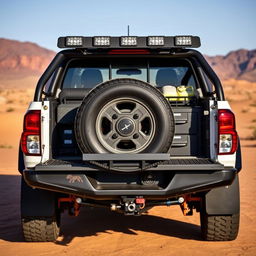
(40, 229)
(220, 213)
(45, 228)
(219, 228)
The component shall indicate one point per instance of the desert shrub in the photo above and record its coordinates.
(10, 109)
(249, 95)
(254, 134)
(5, 146)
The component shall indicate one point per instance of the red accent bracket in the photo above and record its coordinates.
(72, 201)
(140, 200)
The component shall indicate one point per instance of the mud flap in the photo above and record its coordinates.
(238, 163)
(21, 166)
(36, 202)
(223, 200)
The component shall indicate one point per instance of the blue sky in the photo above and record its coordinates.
(223, 25)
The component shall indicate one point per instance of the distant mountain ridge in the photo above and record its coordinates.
(239, 64)
(20, 59)
(23, 58)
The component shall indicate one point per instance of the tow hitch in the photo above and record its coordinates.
(127, 205)
(130, 205)
(133, 206)
(138, 205)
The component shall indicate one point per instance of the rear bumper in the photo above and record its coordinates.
(79, 183)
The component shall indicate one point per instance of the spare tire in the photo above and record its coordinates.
(124, 116)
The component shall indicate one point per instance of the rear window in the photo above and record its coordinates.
(158, 73)
(175, 76)
(85, 77)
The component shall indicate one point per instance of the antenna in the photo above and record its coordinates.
(128, 30)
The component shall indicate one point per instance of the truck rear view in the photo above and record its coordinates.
(128, 123)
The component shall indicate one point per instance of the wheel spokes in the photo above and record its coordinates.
(125, 125)
(111, 112)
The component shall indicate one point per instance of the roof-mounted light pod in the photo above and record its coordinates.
(128, 41)
(101, 41)
(155, 40)
(74, 41)
(183, 40)
(124, 42)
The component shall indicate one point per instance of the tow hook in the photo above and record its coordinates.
(186, 206)
(133, 206)
(73, 204)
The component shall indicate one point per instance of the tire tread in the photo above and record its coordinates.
(219, 228)
(40, 229)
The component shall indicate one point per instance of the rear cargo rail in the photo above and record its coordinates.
(130, 163)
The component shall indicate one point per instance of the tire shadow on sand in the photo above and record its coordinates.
(90, 222)
(93, 221)
(10, 224)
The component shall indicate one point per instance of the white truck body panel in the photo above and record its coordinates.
(213, 130)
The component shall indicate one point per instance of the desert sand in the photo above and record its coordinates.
(163, 231)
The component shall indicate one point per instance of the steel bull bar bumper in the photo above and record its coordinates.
(186, 176)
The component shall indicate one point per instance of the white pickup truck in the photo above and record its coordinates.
(129, 123)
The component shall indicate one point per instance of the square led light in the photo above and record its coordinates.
(74, 41)
(225, 143)
(101, 41)
(128, 41)
(33, 144)
(183, 40)
(155, 40)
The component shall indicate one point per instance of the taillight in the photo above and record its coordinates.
(227, 132)
(30, 139)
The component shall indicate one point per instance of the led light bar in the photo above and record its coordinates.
(74, 41)
(183, 40)
(155, 40)
(101, 41)
(124, 42)
(128, 41)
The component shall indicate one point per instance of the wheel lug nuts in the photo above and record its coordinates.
(136, 116)
(114, 116)
(114, 136)
(136, 136)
